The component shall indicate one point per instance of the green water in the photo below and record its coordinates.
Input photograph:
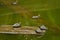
(52, 15)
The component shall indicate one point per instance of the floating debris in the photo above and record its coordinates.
(36, 17)
(16, 25)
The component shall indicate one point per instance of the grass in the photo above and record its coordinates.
(36, 7)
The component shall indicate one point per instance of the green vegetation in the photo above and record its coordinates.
(49, 11)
